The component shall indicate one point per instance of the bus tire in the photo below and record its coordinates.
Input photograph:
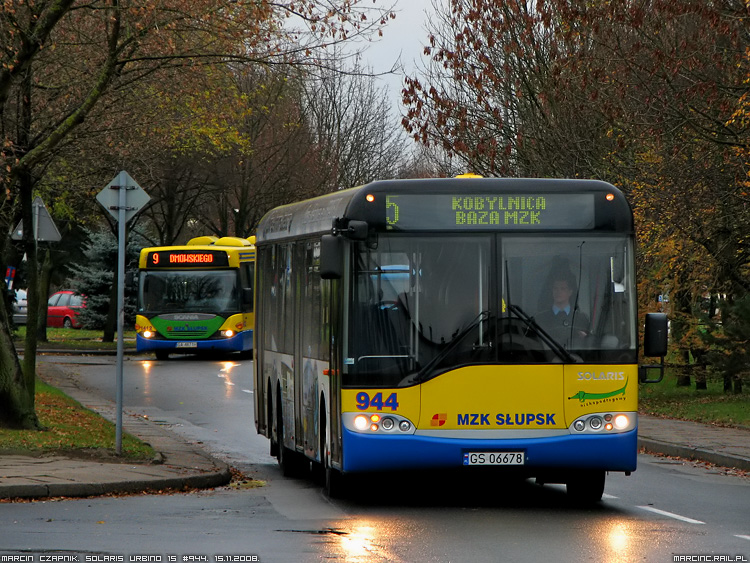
(336, 482)
(161, 354)
(586, 487)
(273, 436)
(318, 468)
(291, 463)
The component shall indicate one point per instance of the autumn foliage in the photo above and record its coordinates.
(652, 96)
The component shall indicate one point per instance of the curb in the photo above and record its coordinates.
(81, 352)
(694, 454)
(39, 491)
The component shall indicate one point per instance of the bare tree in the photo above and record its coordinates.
(352, 123)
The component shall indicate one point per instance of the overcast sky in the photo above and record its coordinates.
(404, 38)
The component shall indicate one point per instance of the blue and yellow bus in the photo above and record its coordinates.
(196, 298)
(409, 324)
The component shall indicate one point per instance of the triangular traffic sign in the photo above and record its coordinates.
(45, 229)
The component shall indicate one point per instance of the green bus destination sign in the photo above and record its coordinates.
(483, 211)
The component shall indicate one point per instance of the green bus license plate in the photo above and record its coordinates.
(187, 345)
(494, 458)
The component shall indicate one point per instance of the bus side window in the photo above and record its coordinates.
(247, 277)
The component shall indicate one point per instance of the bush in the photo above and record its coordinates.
(94, 279)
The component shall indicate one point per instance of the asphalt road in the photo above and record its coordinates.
(665, 509)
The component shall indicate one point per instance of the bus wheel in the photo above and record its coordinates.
(161, 354)
(336, 482)
(292, 464)
(318, 468)
(269, 416)
(586, 487)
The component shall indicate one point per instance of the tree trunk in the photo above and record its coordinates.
(18, 406)
(25, 191)
(699, 365)
(727, 383)
(683, 371)
(44, 281)
(700, 380)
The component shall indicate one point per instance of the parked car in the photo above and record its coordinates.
(20, 311)
(63, 308)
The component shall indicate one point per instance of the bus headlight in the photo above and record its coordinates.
(377, 423)
(147, 334)
(361, 422)
(621, 421)
(227, 333)
(605, 423)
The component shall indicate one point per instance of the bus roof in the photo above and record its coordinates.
(458, 204)
(200, 252)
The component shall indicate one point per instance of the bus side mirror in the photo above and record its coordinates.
(655, 335)
(357, 230)
(331, 257)
(655, 338)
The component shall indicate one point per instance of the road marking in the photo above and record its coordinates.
(742, 537)
(671, 515)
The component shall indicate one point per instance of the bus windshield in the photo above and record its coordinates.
(214, 291)
(423, 305)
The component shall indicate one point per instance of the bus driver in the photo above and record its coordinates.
(563, 320)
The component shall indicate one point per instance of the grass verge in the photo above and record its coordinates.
(74, 339)
(70, 429)
(712, 406)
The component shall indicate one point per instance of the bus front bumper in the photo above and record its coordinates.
(237, 343)
(613, 452)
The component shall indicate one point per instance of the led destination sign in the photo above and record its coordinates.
(187, 258)
(483, 211)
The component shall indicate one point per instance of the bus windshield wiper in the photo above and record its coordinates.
(422, 374)
(556, 347)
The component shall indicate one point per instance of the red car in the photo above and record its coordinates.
(63, 307)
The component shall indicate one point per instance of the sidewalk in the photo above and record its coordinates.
(728, 447)
(179, 464)
(183, 465)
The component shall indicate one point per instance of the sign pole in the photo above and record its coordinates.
(120, 304)
(122, 198)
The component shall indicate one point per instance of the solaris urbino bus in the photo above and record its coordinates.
(196, 298)
(408, 324)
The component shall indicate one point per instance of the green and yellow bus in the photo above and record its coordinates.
(196, 298)
(408, 324)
